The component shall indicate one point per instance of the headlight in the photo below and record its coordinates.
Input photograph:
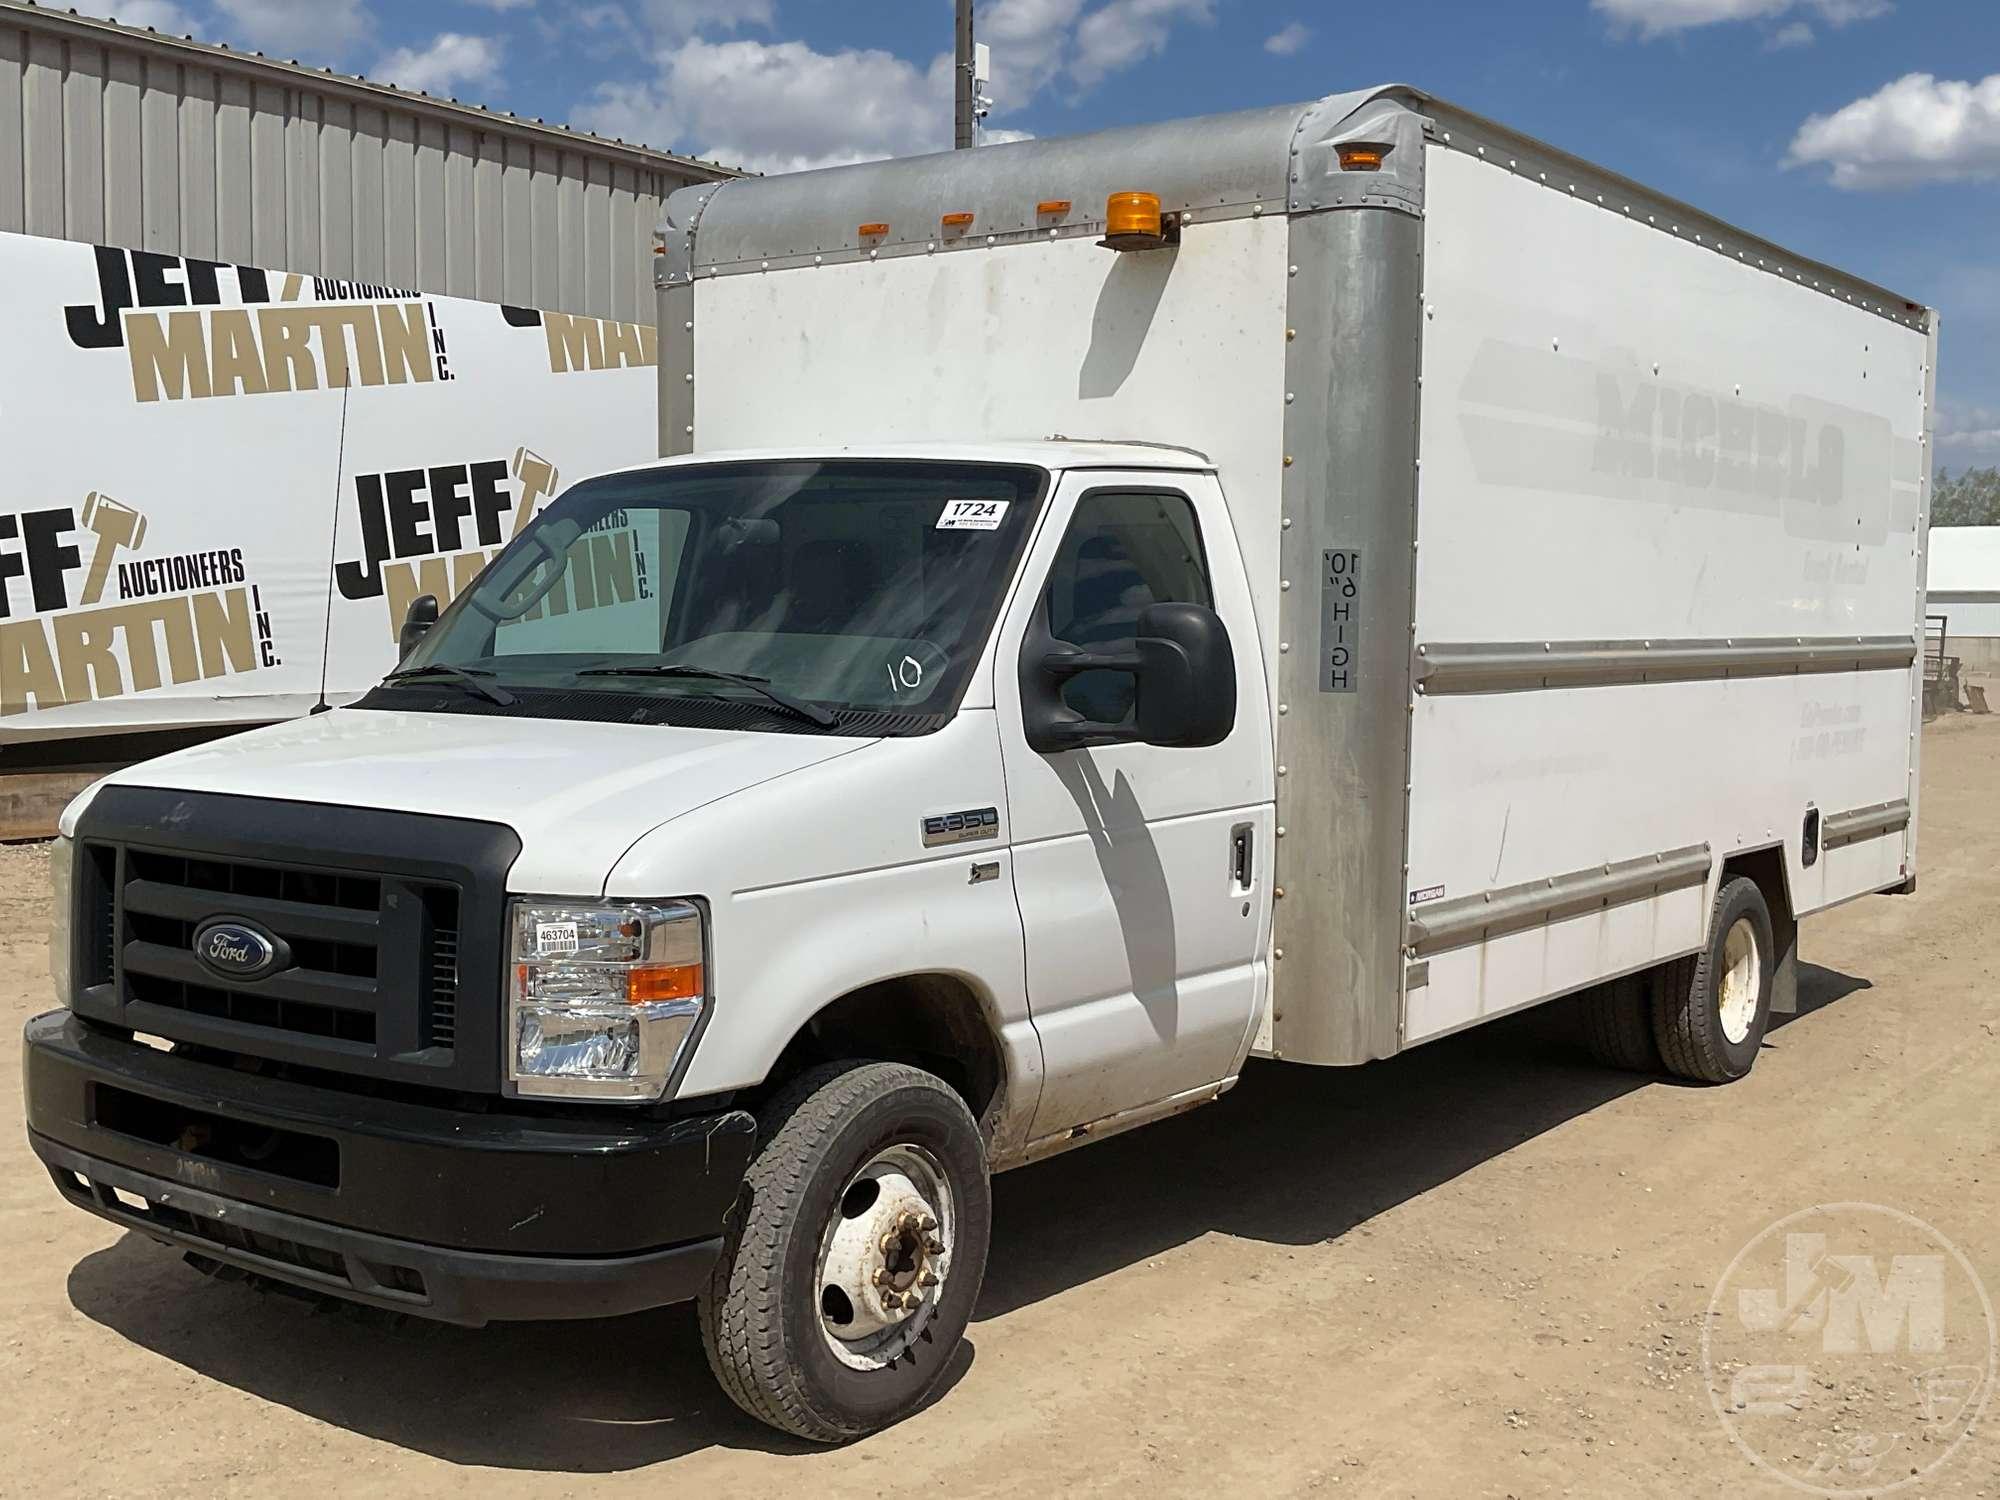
(604, 998)
(62, 888)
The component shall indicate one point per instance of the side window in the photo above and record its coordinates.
(1124, 550)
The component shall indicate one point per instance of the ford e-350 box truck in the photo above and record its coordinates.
(1295, 584)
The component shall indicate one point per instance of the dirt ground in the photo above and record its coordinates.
(1480, 1269)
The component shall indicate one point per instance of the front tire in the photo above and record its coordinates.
(855, 1252)
(1711, 1009)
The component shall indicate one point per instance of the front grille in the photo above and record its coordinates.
(378, 919)
(338, 927)
(444, 974)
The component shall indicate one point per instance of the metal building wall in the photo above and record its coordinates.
(116, 136)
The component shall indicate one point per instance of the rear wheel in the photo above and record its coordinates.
(1712, 1008)
(1618, 1024)
(855, 1253)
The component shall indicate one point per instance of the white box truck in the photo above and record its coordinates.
(1299, 583)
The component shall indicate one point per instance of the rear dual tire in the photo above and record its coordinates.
(1702, 1017)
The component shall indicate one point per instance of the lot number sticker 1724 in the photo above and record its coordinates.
(972, 515)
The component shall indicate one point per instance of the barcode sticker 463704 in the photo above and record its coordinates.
(972, 515)
(556, 939)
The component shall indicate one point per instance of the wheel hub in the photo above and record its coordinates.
(1742, 977)
(885, 1259)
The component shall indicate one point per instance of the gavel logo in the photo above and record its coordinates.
(115, 525)
(538, 480)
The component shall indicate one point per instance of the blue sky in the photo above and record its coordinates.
(1863, 132)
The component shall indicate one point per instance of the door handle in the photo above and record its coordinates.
(1242, 854)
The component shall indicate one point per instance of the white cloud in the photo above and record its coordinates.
(500, 5)
(446, 66)
(785, 106)
(1658, 18)
(1795, 34)
(1121, 33)
(1029, 39)
(780, 106)
(1966, 430)
(682, 18)
(161, 15)
(1290, 39)
(1918, 129)
(314, 31)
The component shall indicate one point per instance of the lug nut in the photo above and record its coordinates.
(933, 1244)
(881, 1276)
(928, 1279)
(926, 1223)
(887, 1243)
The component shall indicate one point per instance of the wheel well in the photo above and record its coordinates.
(931, 1021)
(1767, 868)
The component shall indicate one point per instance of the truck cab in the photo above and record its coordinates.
(468, 999)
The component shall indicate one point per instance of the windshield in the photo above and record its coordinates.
(849, 587)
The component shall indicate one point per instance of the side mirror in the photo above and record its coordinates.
(1183, 669)
(1187, 676)
(422, 614)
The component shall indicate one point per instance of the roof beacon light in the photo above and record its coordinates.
(1132, 221)
(1361, 157)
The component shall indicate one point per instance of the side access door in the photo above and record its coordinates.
(1141, 870)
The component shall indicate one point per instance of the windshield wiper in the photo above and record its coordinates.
(467, 677)
(759, 685)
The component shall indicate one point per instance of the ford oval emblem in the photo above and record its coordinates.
(235, 950)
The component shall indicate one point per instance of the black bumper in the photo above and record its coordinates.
(460, 1215)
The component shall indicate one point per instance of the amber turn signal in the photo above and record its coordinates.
(1359, 158)
(648, 982)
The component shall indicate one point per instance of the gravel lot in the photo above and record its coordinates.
(1481, 1269)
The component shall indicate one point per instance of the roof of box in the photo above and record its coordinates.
(1276, 160)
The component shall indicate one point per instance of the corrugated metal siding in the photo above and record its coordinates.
(118, 137)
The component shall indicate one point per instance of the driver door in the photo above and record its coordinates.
(1141, 872)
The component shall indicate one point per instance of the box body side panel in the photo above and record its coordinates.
(1697, 488)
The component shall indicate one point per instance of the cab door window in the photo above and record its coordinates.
(1125, 549)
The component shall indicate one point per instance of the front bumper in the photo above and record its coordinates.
(460, 1215)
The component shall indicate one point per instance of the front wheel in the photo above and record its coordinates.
(855, 1254)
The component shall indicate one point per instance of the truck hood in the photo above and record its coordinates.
(578, 795)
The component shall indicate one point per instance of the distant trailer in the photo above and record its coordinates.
(116, 135)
